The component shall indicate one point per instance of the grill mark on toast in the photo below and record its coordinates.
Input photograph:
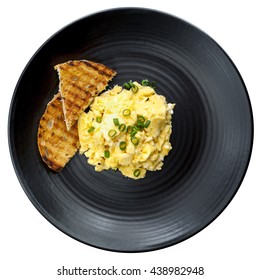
(100, 68)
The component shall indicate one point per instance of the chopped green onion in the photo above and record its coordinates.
(147, 123)
(135, 140)
(133, 133)
(145, 82)
(126, 86)
(116, 121)
(106, 154)
(140, 124)
(111, 133)
(91, 129)
(136, 128)
(135, 88)
(126, 112)
(137, 172)
(141, 118)
(98, 119)
(122, 127)
(153, 84)
(129, 129)
(122, 145)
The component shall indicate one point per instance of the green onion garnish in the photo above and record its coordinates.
(91, 129)
(106, 154)
(134, 88)
(153, 84)
(147, 123)
(140, 124)
(126, 112)
(111, 133)
(98, 119)
(122, 145)
(145, 82)
(122, 127)
(136, 128)
(116, 121)
(137, 172)
(135, 140)
(133, 133)
(126, 86)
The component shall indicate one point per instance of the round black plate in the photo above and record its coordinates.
(212, 133)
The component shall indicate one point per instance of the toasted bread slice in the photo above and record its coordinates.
(80, 82)
(56, 144)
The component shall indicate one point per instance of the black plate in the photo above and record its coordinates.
(212, 133)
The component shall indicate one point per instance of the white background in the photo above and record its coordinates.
(31, 248)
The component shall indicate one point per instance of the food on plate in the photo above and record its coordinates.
(127, 128)
(56, 144)
(80, 82)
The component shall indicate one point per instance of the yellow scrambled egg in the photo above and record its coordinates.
(127, 131)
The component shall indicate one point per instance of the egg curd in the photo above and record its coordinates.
(127, 130)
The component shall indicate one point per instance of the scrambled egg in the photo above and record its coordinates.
(127, 130)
